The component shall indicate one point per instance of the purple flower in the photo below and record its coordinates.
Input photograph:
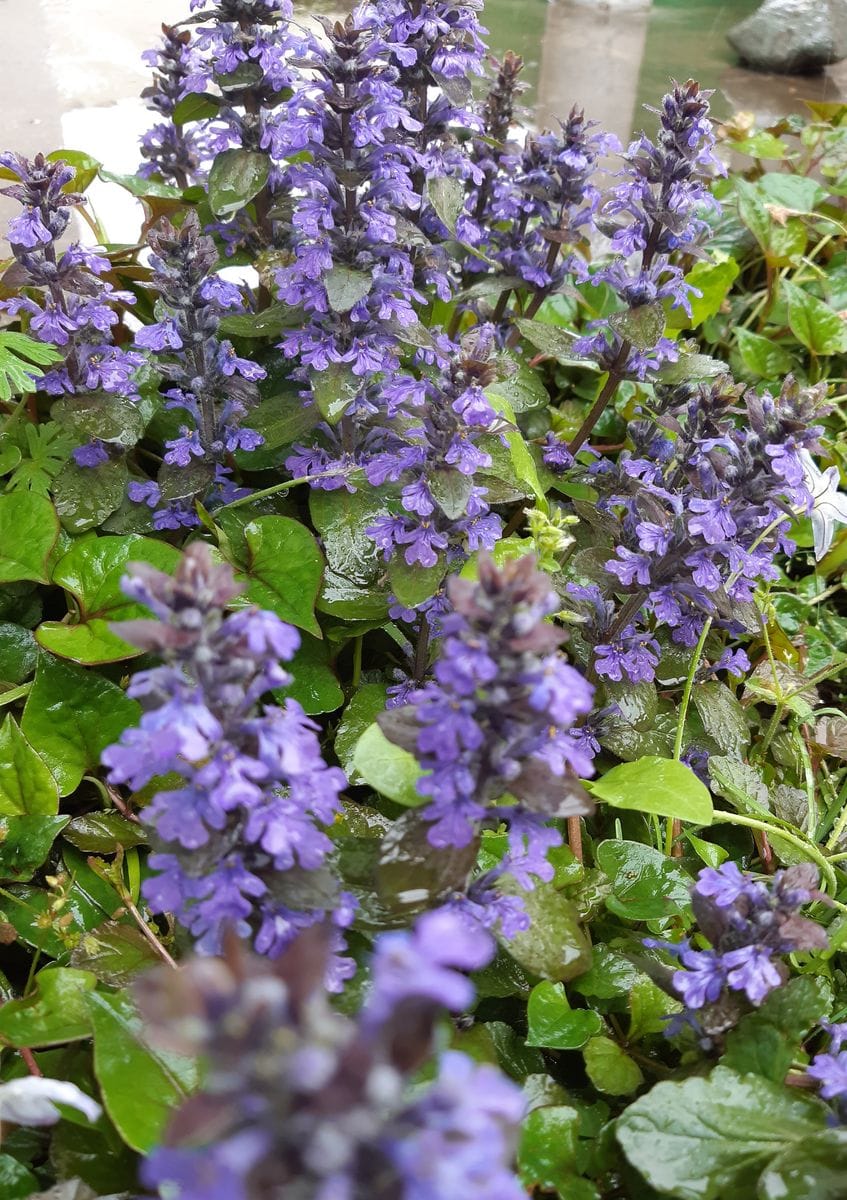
(68, 304)
(255, 793)
(326, 1105)
(496, 719)
(830, 1070)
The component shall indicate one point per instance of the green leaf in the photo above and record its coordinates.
(656, 785)
(451, 491)
(799, 192)
(114, 953)
(196, 106)
(610, 1068)
(86, 496)
(315, 684)
(552, 1022)
(104, 415)
(388, 769)
(47, 448)
(270, 322)
(71, 715)
(814, 1169)
(555, 946)
(649, 1008)
(553, 341)
(711, 1137)
(334, 390)
(140, 1086)
(17, 1182)
(235, 178)
(25, 843)
(283, 567)
(762, 356)
(346, 287)
(18, 653)
(104, 832)
(29, 529)
(766, 1042)
(21, 358)
(523, 464)
(761, 145)
(361, 711)
(723, 718)
(411, 874)
(447, 197)
(714, 280)
(26, 784)
(92, 571)
(353, 566)
(142, 189)
(523, 389)
(646, 886)
(56, 1011)
(817, 326)
(412, 583)
(548, 1148)
(641, 326)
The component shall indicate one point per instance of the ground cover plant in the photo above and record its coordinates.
(423, 770)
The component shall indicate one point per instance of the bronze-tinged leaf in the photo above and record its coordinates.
(412, 874)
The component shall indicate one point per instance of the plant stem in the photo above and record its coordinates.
(286, 484)
(602, 401)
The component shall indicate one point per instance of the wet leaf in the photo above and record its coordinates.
(447, 197)
(315, 684)
(656, 785)
(610, 1068)
(114, 953)
(29, 529)
(103, 833)
(91, 572)
(646, 885)
(548, 1148)
(361, 711)
(56, 1011)
(25, 842)
(555, 946)
(86, 496)
(71, 715)
(140, 1086)
(387, 768)
(236, 176)
(552, 1022)
(412, 874)
(26, 784)
(282, 568)
(345, 287)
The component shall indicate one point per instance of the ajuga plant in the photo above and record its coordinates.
(423, 580)
(237, 839)
(212, 386)
(699, 509)
(169, 149)
(300, 1101)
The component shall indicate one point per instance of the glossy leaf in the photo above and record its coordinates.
(555, 946)
(29, 529)
(25, 842)
(236, 176)
(315, 684)
(282, 568)
(56, 1012)
(548, 1148)
(817, 326)
(91, 572)
(71, 715)
(140, 1086)
(706, 1138)
(26, 784)
(554, 1024)
(656, 785)
(646, 885)
(610, 1068)
(389, 770)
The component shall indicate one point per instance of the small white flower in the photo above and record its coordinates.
(29, 1101)
(829, 505)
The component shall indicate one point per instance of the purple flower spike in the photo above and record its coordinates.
(242, 826)
(497, 719)
(301, 1100)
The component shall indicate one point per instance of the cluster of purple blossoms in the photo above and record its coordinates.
(434, 454)
(351, 269)
(212, 385)
(829, 1069)
(302, 1103)
(496, 722)
(62, 294)
(170, 150)
(702, 504)
(749, 923)
(655, 213)
(240, 842)
(534, 201)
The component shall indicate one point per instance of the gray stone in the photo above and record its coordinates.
(792, 36)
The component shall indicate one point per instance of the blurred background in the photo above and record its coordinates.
(73, 73)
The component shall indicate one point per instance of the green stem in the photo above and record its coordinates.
(689, 686)
(285, 485)
(357, 660)
(15, 694)
(776, 831)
